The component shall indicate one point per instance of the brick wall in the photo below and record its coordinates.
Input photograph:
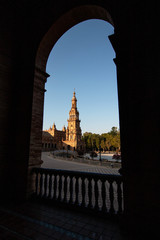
(36, 125)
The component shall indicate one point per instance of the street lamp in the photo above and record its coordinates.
(100, 153)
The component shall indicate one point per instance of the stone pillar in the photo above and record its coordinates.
(36, 125)
(16, 88)
(5, 141)
(138, 79)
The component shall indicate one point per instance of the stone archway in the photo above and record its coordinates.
(24, 24)
(64, 23)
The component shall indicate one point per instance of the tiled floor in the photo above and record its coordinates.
(34, 221)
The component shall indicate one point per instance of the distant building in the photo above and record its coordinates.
(70, 138)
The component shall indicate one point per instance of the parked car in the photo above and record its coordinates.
(116, 156)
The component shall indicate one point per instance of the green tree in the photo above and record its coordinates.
(103, 145)
(87, 139)
(108, 141)
(114, 131)
(116, 141)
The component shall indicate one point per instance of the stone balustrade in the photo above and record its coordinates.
(98, 192)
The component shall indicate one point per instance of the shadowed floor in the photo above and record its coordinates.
(35, 221)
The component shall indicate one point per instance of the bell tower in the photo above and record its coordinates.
(73, 132)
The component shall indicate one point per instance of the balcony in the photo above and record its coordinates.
(66, 205)
(91, 192)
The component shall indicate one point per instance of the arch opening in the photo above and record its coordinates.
(83, 59)
(64, 23)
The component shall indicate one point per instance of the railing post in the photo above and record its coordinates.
(71, 190)
(50, 186)
(83, 191)
(119, 192)
(77, 190)
(96, 194)
(55, 187)
(111, 197)
(60, 188)
(41, 185)
(65, 188)
(103, 196)
(45, 184)
(36, 185)
(90, 205)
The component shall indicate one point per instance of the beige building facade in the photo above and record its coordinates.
(70, 138)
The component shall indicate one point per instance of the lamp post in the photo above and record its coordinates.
(63, 152)
(100, 153)
(92, 148)
(67, 151)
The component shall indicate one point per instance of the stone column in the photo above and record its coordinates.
(5, 109)
(36, 125)
(138, 78)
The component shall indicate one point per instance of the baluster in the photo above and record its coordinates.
(41, 185)
(111, 197)
(71, 190)
(65, 188)
(60, 188)
(90, 205)
(103, 196)
(77, 191)
(96, 194)
(55, 187)
(36, 187)
(83, 191)
(45, 184)
(92, 188)
(119, 197)
(50, 186)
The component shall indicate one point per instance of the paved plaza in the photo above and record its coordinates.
(49, 161)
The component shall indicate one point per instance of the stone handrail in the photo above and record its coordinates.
(98, 192)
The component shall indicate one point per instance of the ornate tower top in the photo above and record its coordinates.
(74, 114)
(73, 132)
(54, 126)
(74, 100)
(64, 128)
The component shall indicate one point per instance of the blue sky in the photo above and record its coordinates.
(83, 59)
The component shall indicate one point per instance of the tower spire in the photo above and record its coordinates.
(73, 132)
(74, 100)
